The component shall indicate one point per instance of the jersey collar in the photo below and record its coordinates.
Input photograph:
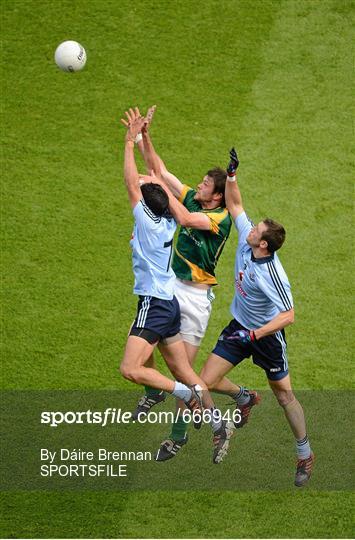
(261, 260)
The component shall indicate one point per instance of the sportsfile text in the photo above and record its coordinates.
(117, 416)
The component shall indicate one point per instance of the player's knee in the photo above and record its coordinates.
(183, 373)
(129, 373)
(285, 397)
(207, 380)
(211, 385)
(125, 371)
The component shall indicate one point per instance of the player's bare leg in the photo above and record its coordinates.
(152, 396)
(295, 417)
(155, 396)
(293, 410)
(214, 374)
(151, 361)
(175, 356)
(133, 367)
(191, 351)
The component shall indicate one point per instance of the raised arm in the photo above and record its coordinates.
(134, 125)
(232, 193)
(174, 184)
(139, 138)
(194, 220)
(153, 160)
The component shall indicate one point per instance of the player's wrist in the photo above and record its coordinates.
(231, 177)
(130, 142)
(253, 336)
(138, 138)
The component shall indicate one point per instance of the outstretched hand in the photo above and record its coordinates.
(149, 117)
(134, 123)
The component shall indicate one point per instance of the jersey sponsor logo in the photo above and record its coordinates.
(189, 232)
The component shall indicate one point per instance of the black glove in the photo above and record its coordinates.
(234, 162)
(244, 336)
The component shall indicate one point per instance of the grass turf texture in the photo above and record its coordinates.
(273, 78)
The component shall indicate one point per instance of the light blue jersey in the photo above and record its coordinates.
(262, 289)
(152, 244)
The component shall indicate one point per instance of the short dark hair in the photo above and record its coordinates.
(155, 198)
(274, 235)
(219, 177)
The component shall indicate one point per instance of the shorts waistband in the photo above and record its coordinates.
(192, 289)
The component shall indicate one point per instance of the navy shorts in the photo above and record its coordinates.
(268, 352)
(156, 319)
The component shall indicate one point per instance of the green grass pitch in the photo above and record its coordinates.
(274, 78)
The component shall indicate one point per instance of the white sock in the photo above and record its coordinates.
(181, 391)
(242, 397)
(303, 448)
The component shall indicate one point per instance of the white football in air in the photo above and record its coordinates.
(70, 56)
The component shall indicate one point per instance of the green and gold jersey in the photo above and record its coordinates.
(197, 251)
